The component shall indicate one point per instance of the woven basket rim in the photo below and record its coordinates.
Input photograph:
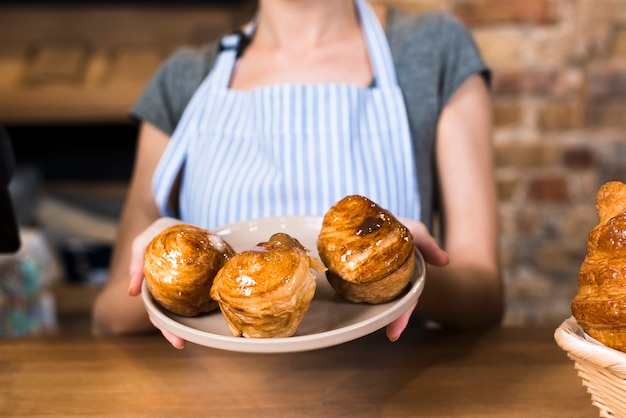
(572, 339)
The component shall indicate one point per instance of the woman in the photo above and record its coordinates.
(313, 97)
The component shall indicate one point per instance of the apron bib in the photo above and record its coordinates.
(290, 149)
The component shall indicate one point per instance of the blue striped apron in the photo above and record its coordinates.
(290, 149)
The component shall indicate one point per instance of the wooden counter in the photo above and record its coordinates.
(502, 373)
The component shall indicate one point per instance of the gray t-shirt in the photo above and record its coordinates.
(433, 54)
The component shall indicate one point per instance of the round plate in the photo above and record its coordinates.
(329, 321)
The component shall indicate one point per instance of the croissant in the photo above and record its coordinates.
(600, 303)
(265, 292)
(179, 266)
(369, 254)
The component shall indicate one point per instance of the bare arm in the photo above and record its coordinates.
(468, 291)
(114, 311)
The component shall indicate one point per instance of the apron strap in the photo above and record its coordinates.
(225, 62)
(378, 47)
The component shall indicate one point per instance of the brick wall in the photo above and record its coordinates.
(559, 92)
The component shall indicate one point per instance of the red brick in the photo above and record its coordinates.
(506, 189)
(416, 6)
(606, 81)
(608, 113)
(618, 49)
(501, 46)
(612, 172)
(507, 113)
(580, 158)
(548, 190)
(537, 154)
(507, 81)
(476, 12)
(563, 115)
(550, 82)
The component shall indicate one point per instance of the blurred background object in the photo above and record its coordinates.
(9, 234)
(69, 71)
(27, 304)
(27, 267)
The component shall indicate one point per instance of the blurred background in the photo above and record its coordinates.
(69, 71)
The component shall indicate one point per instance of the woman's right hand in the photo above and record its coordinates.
(138, 251)
(433, 254)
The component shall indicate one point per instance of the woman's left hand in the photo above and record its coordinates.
(433, 254)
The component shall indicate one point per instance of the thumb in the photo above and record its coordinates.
(136, 276)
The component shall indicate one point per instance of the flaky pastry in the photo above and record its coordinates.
(600, 304)
(179, 266)
(265, 292)
(369, 254)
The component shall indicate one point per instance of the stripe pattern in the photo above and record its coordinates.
(291, 149)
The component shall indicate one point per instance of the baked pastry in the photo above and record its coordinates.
(179, 266)
(265, 292)
(369, 254)
(600, 304)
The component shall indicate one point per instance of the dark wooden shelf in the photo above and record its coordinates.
(68, 64)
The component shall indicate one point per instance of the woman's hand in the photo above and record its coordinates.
(433, 254)
(140, 243)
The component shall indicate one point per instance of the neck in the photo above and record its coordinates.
(304, 23)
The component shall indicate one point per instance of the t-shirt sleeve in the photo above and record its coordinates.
(167, 93)
(434, 54)
(460, 57)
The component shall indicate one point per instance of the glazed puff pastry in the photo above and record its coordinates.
(265, 292)
(600, 304)
(369, 254)
(179, 266)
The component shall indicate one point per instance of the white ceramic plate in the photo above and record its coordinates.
(329, 321)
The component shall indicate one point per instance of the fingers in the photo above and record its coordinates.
(138, 251)
(428, 246)
(433, 254)
(176, 342)
(395, 329)
(136, 276)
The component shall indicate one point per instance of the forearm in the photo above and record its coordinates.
(115, 311)
(468, 291)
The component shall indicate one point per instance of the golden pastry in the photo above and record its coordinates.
(369, 254)
(264, 292)
(179, 266)
(600, 304)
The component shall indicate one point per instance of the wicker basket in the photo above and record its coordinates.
(602, 369)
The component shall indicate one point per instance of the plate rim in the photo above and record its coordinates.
(295, 343)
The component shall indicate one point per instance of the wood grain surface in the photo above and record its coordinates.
(504, 372)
